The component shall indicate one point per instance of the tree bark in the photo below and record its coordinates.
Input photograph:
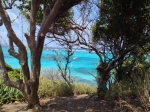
(32, 98)
(102, 78)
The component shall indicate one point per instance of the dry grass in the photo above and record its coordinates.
(132, 95)
(53, 88)
(52, 84)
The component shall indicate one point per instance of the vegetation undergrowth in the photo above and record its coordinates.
(133, 93)
(51, 86)
(9, 94)
(51, 78)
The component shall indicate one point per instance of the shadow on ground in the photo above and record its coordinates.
(81, 103)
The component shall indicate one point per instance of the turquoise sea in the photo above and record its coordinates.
(82, 65)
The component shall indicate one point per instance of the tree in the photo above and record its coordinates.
(52, 11)
(120, 29)
(63, 61)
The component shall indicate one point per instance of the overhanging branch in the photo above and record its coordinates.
(65, 30)
(8, 5)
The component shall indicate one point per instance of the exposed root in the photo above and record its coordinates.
(27, 108)
(35, 108)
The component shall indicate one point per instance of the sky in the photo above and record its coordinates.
(20, 25)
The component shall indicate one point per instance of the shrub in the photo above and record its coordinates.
(134, 94)
(53, 88)
(83, 88)
(15, 75)
(120, 90)
(9, 94)
(9, 68)
(143, 91)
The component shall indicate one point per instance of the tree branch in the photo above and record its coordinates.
(68, 5)
(7, 23)
(18, 84)
(61, 33)
(45, 26)
(12, 36)
(12, 51)
(9, 5)
(34, 9)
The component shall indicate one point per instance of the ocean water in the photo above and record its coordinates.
(82, 63)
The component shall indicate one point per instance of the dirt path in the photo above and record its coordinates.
(80, 103)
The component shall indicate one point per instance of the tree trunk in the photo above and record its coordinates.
(29, 88)
(32, 100)
(102, 78)
(32, 97)
(71, 88)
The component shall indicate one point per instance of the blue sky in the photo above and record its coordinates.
(21, 26)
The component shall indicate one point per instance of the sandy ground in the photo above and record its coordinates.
(80, 103)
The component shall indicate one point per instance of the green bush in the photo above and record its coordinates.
(9, 94)
(122, 89)
(15, 75)
(83, 88)
(48, 88)
(52, 84)
(9, 68)
(53, 88)
(132, 94)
